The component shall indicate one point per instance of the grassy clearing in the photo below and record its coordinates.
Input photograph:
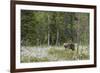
(34, 59)
(61, 54)
(54, 54)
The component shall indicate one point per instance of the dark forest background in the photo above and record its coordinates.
(53, 28)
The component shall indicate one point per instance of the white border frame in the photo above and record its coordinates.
(52, 64)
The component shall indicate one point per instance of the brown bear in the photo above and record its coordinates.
(69, 46)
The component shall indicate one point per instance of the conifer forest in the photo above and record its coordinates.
(54, 36)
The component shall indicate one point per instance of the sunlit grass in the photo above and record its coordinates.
(61, 54)
(55, 54)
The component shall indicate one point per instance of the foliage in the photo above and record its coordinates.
(51, 28)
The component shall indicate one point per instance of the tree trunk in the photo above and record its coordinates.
(78, 36)
(48, 30)
(37, 41)
(48, 38)
(57, 38)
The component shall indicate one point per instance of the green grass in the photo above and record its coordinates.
(57, 54)
(24, 59)
(33, 59)
(67, 54)
(62, 54)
